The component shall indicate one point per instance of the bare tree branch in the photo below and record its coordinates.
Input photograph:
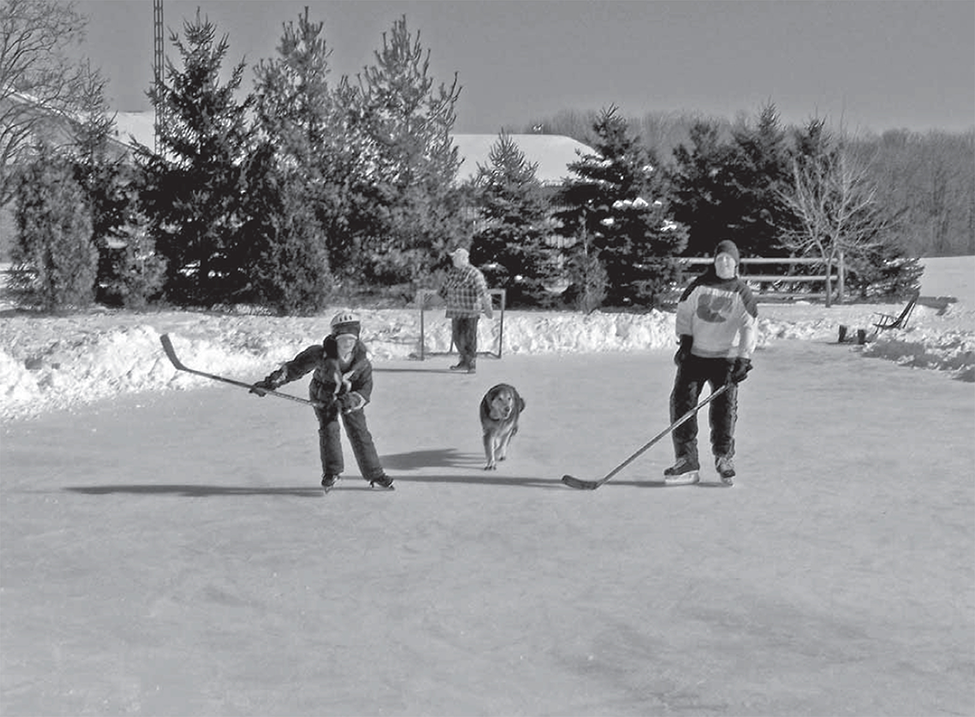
(39, 81)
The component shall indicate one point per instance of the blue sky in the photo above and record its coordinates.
(863, 65)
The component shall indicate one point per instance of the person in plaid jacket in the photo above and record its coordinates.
(466, 294)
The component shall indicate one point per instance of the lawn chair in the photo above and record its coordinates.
(886, 321)
(889, 321)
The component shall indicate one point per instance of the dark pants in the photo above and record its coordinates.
(463, 331)
(692, 374)
(330, 443)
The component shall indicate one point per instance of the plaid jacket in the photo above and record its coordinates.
(465, 292)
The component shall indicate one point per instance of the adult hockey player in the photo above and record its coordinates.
(342, 384)
(715, 310)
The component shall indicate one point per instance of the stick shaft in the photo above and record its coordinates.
(167, 345)
(653, 441)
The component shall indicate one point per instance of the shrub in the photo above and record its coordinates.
(136, 274)
(55, 260)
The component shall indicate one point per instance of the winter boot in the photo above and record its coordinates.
(383, 482)
(683, 472)
(329, 481)
(726, 469)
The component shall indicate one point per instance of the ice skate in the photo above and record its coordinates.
(684, 472)
(329, 481)
(726, 469)
(383, 482)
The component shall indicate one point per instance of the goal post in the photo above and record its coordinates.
(498, 297)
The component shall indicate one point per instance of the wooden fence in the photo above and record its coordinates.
(785, 284)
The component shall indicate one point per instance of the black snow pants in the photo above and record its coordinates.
(692, 374)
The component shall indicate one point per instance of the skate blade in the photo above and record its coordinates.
(690, 478)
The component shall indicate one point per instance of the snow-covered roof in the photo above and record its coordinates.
(140, 125)
(551, 152)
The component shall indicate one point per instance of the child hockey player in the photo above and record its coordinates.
(715, 309)
(342, 384)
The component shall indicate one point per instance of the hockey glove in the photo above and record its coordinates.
(738, 370)
(685, 349)
(351, 401)
(270, 383)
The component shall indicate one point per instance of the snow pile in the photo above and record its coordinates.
(53, 363)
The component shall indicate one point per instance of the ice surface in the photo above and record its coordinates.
(169, 552)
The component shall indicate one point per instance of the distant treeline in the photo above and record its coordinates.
(297, 190)
(926, 179)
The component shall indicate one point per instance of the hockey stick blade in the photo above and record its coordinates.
(579, 484)
(167, 345)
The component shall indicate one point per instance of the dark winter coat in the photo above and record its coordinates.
(330, 379)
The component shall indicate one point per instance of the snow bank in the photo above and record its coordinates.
(50, 363)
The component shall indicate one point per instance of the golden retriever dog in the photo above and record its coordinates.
(501, 408)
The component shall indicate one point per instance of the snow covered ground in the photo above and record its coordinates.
(54, 363)
(165, 549)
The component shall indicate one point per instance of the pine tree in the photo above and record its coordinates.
(760, 173)
(286, 250)
(616, 212)
(109, 186)
(54, 259)
(300, 176)
(413, 205)
(194, 189)
(509, 240)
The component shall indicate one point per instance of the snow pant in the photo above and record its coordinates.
(330, 443)
(463, 330)
(692, 374)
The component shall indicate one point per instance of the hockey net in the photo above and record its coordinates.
(427, 303)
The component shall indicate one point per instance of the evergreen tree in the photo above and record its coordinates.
(704, 199)
(286, 249)
(194, 189)
(414, 206)
(759, 173)
(300, 178)
(509, 239)
(54, 259)
(108, 184)
(616, 215)
(319, 136)
(731, 188)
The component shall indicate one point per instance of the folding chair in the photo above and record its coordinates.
(889, 321)
(886, 321)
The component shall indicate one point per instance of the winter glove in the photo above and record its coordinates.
(685, 349)
(271, 382)
(351, 401)
(738, 369)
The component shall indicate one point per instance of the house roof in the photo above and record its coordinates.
(551, 152)
(140, 125)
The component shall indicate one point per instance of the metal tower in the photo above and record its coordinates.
(158, 60)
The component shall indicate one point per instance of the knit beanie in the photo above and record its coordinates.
(726, 246)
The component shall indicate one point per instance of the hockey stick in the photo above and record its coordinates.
(167, 345)
(593, 484)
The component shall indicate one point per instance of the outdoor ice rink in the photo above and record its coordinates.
(172, 554)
